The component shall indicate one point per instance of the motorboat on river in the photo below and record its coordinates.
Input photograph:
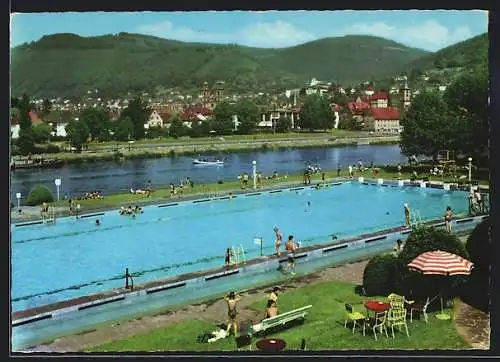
(197, 161)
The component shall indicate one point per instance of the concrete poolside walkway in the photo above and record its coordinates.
(471, 324)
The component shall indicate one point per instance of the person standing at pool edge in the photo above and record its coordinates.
(232, 299)
(278, 240)
(448, 216)
(407, 215)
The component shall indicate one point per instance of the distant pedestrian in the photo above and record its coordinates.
(360, 166)
(227, 260)
(322, 176)
(351, 174)
(338, 171)
(278, 238)
(399, 170)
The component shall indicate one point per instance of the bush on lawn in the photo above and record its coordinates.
(38, 195)
(476, 290)
(421, 240)
(380, 275)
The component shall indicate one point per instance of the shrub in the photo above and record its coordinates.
(476, 291)
(379, 276)
(421, 240)
(38, 195)
(51, 148)
(478, 246)
(424, 239)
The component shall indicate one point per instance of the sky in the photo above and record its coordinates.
(425, 29)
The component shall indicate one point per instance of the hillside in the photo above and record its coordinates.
(67, 64)
(469, 53)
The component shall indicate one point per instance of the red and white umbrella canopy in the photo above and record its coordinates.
(441, 263)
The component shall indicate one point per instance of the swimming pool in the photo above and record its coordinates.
(74, 257)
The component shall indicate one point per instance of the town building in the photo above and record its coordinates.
(406, 96)
(383, 120)
(210, 98)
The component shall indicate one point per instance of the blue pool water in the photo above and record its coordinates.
(74, 257)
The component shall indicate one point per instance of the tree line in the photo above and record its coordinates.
(94, 123)
(455, 120)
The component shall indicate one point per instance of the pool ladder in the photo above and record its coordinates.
(239, 255)
(417, 220)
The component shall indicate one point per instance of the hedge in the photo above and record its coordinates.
(380, 275)
(38, 195)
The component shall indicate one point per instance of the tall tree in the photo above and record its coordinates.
(223, 122)
(425, 125)
(124, 129)
(467, 100)
(176, 129)
(138, 112)
(78, 133)
(46, 107)
(26, 140)
(248, 116)
(316, 113)
(97, 120)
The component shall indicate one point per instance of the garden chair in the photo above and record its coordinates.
(397, 318)
(396, 301)
(379, 322)
(420, 307)
(354, 317)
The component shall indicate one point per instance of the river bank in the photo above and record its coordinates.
(214, 146)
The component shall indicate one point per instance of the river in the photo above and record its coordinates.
(119, 176)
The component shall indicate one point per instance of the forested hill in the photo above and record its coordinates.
(470, 53)
(68, 64)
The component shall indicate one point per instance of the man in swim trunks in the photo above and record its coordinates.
(278, 239)
(290, 248)
(232, 299)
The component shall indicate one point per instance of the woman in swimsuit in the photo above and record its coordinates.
(232, 298)
(271, 309)
(279, 238)
(448, 215)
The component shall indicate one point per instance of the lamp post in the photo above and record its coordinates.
(18, 195)
(254, 170)
(57, 181)
(470, 172)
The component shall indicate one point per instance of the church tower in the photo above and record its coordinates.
(219, 91)
(406, 93)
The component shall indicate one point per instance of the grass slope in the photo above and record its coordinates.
(323, 328)
(128, 62)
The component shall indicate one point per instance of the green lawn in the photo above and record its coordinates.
(260, 136)
(323, 328)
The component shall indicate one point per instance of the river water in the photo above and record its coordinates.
(119, 176)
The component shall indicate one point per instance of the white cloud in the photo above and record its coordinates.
(274, 34)
(429, 35)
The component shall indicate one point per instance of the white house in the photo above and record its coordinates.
(155, 120)
(61, 129)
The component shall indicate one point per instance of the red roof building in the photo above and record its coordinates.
(35, 120)
(192, 113)
(358, 107)
(384, 120)
(385, 113)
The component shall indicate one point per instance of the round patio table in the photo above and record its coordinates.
(271, 345)
(376, 306)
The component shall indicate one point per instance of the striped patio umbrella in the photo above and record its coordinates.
(441, 263)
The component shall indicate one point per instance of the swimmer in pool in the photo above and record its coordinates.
(97, 222)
